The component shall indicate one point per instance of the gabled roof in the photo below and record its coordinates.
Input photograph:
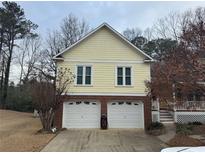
(58, 56)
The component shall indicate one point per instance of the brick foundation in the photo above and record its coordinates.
(104, 100)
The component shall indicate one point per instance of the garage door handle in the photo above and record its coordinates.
(125, 117)
(82, 117)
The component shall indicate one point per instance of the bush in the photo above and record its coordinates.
(184, 129)
(19, 99)
(156, 128)
(195, 123)
(155, 125)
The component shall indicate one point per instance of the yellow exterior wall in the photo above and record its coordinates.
(104, 52)
(103, 45)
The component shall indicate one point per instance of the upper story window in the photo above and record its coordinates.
(124, 76)
(83, 75)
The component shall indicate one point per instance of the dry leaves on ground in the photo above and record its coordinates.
(18, 132)
(182, 140)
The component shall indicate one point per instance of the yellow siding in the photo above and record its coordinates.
(104, 78)
(103, 45)
(106, 48)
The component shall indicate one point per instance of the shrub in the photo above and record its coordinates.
(156, 128)
(184, 129)
(19, 99)
(155, 125)
(195, 123)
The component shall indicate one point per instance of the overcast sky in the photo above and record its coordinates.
(120, 15)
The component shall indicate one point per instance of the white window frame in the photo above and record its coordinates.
(84, 74)
(124, 76)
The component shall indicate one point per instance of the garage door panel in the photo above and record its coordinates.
(126, 115)
(81, 115)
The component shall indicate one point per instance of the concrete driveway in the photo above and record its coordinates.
(116, 140)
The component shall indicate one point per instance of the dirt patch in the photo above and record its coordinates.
(198, 130)
(18, 132)
(183, 140)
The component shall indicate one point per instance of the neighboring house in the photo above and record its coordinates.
(186, 108)
(110, 79)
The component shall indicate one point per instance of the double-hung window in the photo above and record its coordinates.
(124, 76)
(87, 75)
(84, 75)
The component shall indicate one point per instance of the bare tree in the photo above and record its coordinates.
(47, 97)
(55, 43)
(148, 34)
(160, 28)
(169, 26)
(181, 69)
(132, 33)
(52, 83)
(28, 56)
(72, 29)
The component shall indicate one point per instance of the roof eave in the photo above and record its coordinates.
(149, 60)
(113, 30)
(60, 59)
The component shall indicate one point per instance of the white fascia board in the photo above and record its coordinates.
(105, 94)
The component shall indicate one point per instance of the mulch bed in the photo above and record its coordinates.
(198, 130)
(183, 140)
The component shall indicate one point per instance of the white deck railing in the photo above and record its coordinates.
(189, 105)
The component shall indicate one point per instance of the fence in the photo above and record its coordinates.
(182, 112)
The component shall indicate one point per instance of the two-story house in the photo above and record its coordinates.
(110, 79)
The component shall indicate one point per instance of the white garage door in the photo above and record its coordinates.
(125, 115)
(81, 114)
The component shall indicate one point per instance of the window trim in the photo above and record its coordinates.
(124, 76)
(120, 76)
(77, 74)
(128, 76)
(84, 75)
(88, 75)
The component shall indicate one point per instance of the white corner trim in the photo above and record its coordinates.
(114, 31)
(106, 94)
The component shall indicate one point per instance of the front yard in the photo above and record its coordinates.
(180, 135)
(191, 134)
(18, 132)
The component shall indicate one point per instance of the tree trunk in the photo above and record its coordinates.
(7, 72)
(46, 119)
(6, 82)
(2, 67)
(2, 82)
(1, 41)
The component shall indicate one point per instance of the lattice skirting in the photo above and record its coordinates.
(185, 117)
(155, 116)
